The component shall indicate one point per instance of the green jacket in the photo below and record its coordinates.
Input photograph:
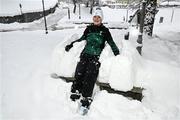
(96, 37)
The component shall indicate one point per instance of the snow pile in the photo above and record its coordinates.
(123, 109)
(162, 89)
(51, 20)
(64, 63)
(121, 72)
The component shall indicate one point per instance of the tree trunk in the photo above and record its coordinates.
(92, 5)
(141, 20)
(74, 2)
(150, 16)
(87, 3)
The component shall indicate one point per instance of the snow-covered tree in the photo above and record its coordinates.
(150, 16)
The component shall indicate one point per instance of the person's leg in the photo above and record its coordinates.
(77, 84)
(89, 81)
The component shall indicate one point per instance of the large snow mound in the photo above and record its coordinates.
(121, 71)
(64, 63)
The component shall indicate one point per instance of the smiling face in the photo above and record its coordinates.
(97, 20)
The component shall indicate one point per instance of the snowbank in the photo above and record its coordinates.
(121, 72)
(119, 108)
(51, 20)
(162, 89)
(64, 63)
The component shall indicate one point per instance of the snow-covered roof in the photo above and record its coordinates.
(11, 7)
(170, 3)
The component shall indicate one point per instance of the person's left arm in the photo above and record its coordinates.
(112, 44)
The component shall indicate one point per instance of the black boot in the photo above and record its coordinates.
(75, 96)
(86, 102)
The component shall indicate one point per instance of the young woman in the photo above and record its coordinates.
(87, 68)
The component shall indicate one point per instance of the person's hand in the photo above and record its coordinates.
(116, 53)
(68, 47)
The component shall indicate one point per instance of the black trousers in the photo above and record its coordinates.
(86, 75)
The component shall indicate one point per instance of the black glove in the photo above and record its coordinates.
(68, 47)
(116, 53)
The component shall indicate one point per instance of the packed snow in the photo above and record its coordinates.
(30, 56)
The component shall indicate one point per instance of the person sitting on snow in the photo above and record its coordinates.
(87, 68)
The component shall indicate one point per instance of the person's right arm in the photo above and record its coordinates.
(83, 37)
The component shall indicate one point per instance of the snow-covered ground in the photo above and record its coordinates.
(51, 19)
(165, 34)
(58, 21)
(29, 93)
